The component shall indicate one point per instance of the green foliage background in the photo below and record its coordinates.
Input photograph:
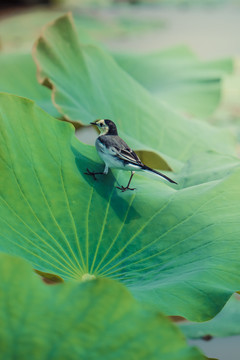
(174, 248)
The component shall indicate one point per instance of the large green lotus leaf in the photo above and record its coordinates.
(96, 319)
(88, 84)
(177, 77)
(18, 76)
(178, 249)
(215, 167)
(226, 323)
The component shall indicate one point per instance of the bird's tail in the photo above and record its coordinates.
(145, 167)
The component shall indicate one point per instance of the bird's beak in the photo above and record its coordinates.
(93, 123)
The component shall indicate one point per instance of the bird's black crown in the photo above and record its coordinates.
(112, 128)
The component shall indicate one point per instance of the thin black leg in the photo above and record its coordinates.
(91, 173)
(123, 188)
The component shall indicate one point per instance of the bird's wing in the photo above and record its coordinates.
(119, 148)
(128, 155)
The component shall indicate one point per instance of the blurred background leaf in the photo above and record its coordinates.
(226, 323)
(177, 77)
(18, 77)
(96, 319)
(19, 31)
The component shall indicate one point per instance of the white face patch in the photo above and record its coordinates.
(102, 126)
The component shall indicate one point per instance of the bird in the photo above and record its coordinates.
(117, 154)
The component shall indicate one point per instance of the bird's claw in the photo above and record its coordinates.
(124, 188)
(91, 174)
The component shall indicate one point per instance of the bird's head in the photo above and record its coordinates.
(106, 127)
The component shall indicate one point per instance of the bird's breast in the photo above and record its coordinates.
(108, 156)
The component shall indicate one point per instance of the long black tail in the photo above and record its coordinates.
(145, 167)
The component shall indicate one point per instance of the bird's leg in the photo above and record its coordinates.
(104, 172)
(123, 188)
(93, 173)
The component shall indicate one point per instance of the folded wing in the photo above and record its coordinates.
(129, 155)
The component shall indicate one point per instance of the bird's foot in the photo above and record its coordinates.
(124, 188)
(93, 174)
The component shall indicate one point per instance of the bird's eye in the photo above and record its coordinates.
(101, 124)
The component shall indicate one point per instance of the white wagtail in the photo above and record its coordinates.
(117, 154)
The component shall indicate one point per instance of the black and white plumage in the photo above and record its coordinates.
(117, 154)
